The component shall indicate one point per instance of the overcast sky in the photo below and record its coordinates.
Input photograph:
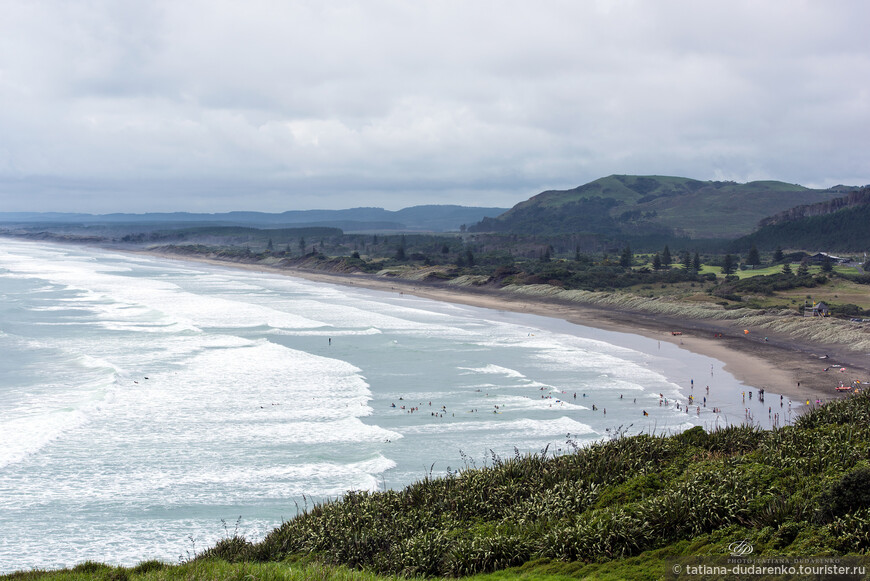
(211, 106)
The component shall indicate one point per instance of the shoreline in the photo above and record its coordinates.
(779, 364)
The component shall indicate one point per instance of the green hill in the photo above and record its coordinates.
(642, 205)
(843, 230)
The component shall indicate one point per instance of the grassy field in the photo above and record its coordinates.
(835, 291)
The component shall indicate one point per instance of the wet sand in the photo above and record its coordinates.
(781, 364)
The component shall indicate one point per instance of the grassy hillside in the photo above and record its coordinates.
(643, 205)
(726, 209)
(622, 188)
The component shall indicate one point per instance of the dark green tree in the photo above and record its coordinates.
(666, 257)
(546, 255)
(626, 258)
(657, 262)
(728, 265)
(778, 256)
(469, 257)
(786, 268)
(686, 260)
(696, 262)
(400, 251)
(803, 269)
(827, 264)
(269, 246)
(753, 258)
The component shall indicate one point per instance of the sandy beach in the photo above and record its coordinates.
(779, 364)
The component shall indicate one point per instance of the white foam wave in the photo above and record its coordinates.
(493, 370)
(524, 427)
(327, 332)
(26, 435)
(30, 423)
(561, 401)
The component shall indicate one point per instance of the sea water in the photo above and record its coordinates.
(150, 407)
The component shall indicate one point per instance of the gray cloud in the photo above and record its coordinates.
(213, 106)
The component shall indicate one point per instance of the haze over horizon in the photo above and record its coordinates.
(217, 106)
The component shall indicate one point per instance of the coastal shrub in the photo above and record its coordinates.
(484, 554)
(597, 535)
(786, 533)
(779, 510)
(148, 566)
(852, 531)
(817, 450)
(696, 436)
(814, 540)
(854, 410)
(232, 550)
(848, 494)
(424, 553)
(563, 501)
(734, 439)
(94, 570)
(636, 488)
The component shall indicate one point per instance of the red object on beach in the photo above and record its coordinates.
(676, 332)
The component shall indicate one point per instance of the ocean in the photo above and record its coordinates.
(150, 407)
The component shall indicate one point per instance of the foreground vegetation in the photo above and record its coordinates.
(620, 507)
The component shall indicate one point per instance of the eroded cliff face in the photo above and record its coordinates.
(855, 198)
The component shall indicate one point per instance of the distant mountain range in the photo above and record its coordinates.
(433, 218)
(625, 205)
(643, 211)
